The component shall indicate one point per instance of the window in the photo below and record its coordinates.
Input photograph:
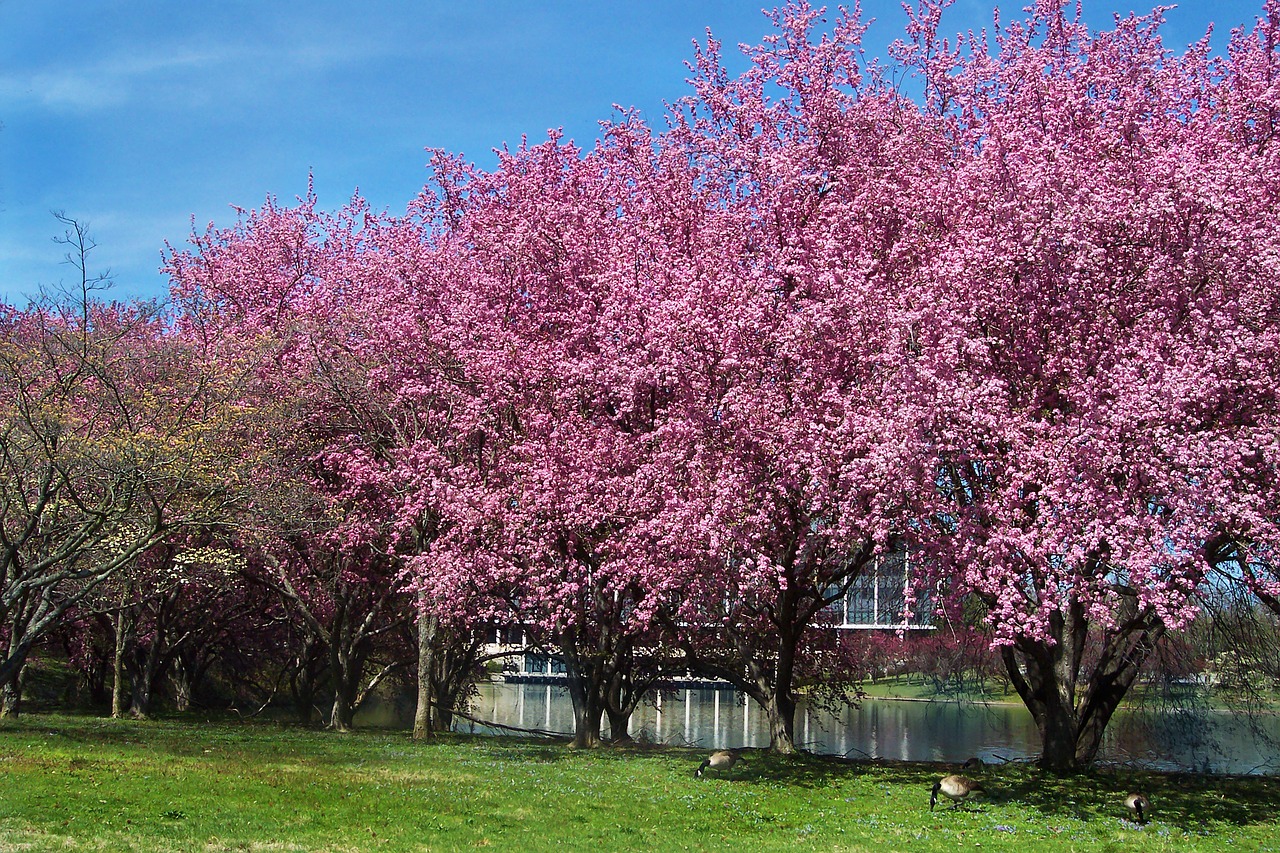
(862, 601)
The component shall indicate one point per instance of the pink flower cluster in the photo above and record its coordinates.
(1028, 326)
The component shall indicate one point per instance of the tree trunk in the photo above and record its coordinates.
(11, 694)
(587, 713)
(117, 666)
(1117, 672)
(342, 715)
(142, 683)
(140, 694)
(619, 725)
(453, 672)
(585, 692)
(456, 667)
(423, 718)
(1046, 683)
(305, 677)
(186, 673)
(13, 673)
(147, 665)
(782, 716)
(625, 688)
(1059, 734)
(743, 670)
(182, 690)
(782, 724)
(1047, 677)
(304, 700)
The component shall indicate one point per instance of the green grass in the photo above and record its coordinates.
(81, 783)
(915, 687)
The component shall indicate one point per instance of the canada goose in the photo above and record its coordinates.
(1139, 805)
(956, 787)
(722, 759)
(973, 763)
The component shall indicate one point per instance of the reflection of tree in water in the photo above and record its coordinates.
(1147, 737)
(1188, 733)
(1213, 717)
(1239, 641)
(1155, 737)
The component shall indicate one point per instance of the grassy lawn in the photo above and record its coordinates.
(918, 688)
(915, 687)
(81, 783)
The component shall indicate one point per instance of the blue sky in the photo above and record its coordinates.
(134, 116)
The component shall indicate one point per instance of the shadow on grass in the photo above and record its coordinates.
(805, 770)
(1187, 801)
(1183, 800)
(758, 765)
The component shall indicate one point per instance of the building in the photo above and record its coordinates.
(875, 601)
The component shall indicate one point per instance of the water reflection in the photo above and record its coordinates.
(910, 731)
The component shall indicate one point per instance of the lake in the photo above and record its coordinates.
(946, 731)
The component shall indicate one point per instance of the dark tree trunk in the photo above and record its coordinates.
(587, 712)
(147, 665)
(424, 718)
(342, 714)
(758, 650)
(456, 668)
(11, 694)
(183, 684)
(347, 667)
(628, 682)
(140, 696)
(447, 664)
(186, 674)
(779, 709)
(1071, 705)
(144, 667)
(94, 681)
(585, 690)
(619, 724)
(14, 653)
(782, 724)
(123, 630)
(442, 711)
(782, 712)
(304, 679)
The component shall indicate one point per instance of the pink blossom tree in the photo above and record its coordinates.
(798, 456)
(344, 317)
(560, 274)
(1103, 339)
(686, 387)
(1245, 551)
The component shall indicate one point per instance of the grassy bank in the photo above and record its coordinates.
(917, 688)
(79, 783)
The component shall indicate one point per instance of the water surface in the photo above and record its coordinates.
(946, 731)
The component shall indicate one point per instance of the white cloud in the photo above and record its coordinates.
(101, 84)
(179, 75)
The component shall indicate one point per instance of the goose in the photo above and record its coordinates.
(1139, 805)
(956, 787)
(973, 763)
(722, 759)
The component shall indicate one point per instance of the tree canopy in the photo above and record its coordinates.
(662, 401)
